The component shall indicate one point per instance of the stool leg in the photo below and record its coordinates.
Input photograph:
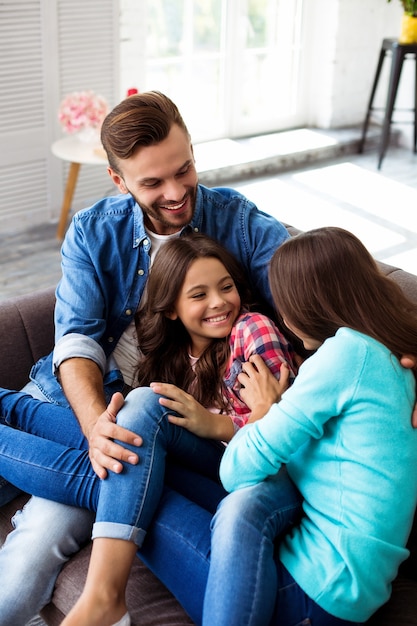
(397, 61)
(66, 203)
(415, 104)
(371, 99)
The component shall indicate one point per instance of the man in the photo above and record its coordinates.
(106, 258)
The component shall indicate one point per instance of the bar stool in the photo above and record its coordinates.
(398, 53)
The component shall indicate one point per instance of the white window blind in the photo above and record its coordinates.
(48, 49)
(23, 163)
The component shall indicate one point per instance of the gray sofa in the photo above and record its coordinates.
(27, 333)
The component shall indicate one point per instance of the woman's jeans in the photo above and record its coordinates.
(237, 579)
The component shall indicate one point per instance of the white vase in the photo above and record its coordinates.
(89, 135)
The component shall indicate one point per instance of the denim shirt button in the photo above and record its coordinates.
(128, 311)
(141, 272)
(146, 242)
(196, 229)
(110, 339)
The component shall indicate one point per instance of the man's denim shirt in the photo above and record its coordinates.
(105, 264)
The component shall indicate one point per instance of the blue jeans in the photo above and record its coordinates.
(236, 578)
(47, 533)
(245, 579)
(46, 455)
(247, 583)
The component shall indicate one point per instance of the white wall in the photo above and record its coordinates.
(132, 33)
(344, 42)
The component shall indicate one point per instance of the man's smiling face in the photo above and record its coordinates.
(163, 180)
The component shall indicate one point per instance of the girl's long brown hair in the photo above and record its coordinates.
(325, 278)
(165, 343)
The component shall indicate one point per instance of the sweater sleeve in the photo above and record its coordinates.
(324, 386)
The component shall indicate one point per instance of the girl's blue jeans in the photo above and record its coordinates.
(234, 579)
(46, 454)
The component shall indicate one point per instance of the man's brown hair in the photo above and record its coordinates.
(140, 120)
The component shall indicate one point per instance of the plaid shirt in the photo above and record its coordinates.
(253, 333)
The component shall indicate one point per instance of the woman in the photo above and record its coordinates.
(344, 432)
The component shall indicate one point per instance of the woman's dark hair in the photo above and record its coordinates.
(165, 343)
(325, 278)
(138, 121)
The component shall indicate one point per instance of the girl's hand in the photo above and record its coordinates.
(260, 389)
(194, 417)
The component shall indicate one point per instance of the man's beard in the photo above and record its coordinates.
(153, 212)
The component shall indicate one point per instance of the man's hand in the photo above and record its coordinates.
(104, 453)
(194, 417)
(260, 389)
(82, 382)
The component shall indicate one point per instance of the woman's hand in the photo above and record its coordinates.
(194, 417)
(409, 361)
(260, 389)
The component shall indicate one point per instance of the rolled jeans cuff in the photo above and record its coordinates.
(113, 530)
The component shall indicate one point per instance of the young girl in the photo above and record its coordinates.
(194, 334)
(344, 432)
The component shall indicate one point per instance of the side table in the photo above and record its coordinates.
(77, 153)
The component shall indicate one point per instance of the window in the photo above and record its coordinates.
(232, 66)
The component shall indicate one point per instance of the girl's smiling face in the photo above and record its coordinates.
(208, 303)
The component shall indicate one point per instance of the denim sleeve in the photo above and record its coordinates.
(263, 234)
(80, 295)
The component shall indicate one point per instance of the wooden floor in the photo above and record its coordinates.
(29, 260)
(378, 206)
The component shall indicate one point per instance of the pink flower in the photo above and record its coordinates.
(82, 109)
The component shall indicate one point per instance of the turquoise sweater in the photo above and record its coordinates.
(344, 431)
